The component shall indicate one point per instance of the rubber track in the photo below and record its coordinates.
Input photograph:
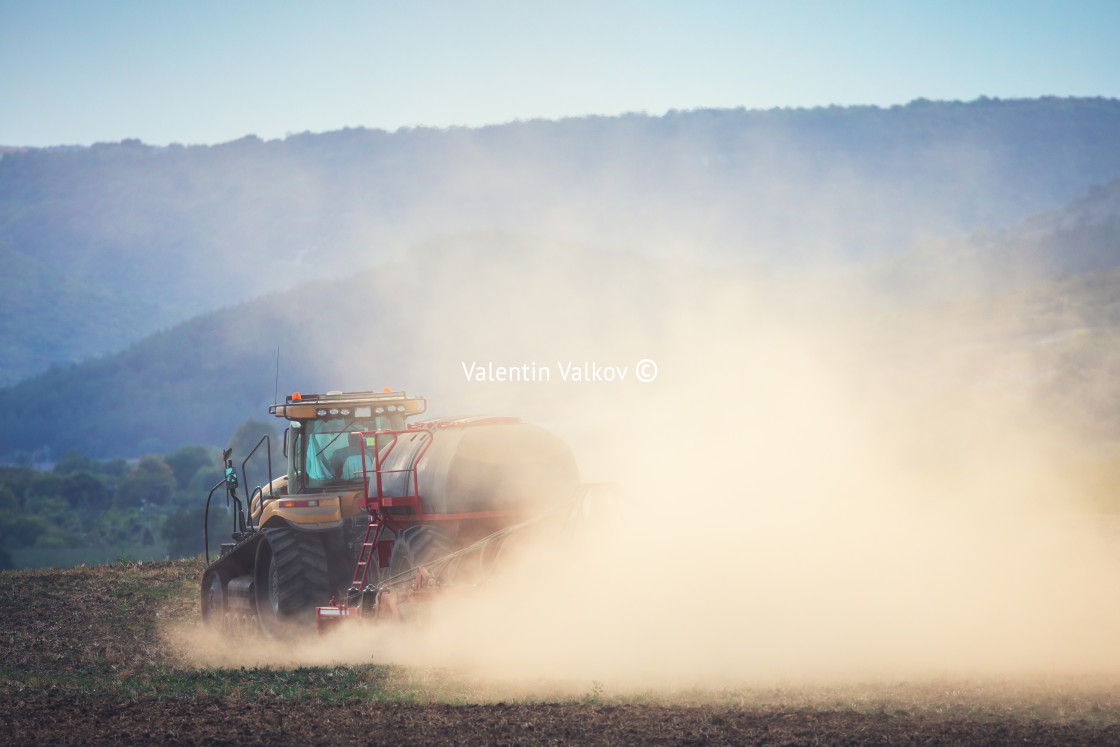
(301, 570)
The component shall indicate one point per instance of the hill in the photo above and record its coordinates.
(515, 299)
(410, 324)
(1080, 237)
(117, 241)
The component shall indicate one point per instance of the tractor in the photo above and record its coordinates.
(369, 495)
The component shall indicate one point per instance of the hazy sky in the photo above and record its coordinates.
(83, 71)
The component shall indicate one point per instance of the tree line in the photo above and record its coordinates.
(156, 500)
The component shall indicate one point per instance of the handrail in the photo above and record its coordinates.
(244, 478)
(259, 490)
(380, 456)
(206, 521)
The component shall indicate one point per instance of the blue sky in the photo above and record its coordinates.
(209, 72)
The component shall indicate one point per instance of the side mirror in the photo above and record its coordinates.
(285, 439)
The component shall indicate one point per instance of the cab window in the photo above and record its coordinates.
(328, 457)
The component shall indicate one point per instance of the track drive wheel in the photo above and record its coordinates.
(290, 579)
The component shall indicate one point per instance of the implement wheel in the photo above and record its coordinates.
(416, 546)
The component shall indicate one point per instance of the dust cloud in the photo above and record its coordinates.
(800, 507)
(811, 491)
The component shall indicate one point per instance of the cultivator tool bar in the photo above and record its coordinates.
(400, 597)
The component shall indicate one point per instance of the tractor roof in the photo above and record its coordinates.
(302, 406)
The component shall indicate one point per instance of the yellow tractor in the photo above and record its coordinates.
(293, 548)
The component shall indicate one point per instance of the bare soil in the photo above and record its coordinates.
(82, 662)
(55, 719)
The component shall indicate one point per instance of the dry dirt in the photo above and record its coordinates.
(84, 661)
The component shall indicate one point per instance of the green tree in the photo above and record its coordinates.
(151, 482)
(86, 491)
(182, 530)
(117, 527)
(72, 461)
(115, 467)
(246, 436)
(60, 517)
(187, 460)
(57, 537)
(18, 479)
(44, 485)
(21, 530)
(9, 501)
(194, 494)
(205, 479)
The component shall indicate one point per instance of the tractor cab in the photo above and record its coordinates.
(321, 456)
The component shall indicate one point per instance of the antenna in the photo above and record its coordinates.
(276, 386)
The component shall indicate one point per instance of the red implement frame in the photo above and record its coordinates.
(376, 502)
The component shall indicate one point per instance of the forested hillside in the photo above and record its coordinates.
(111, 243)
(1038, 304)
(408, 325)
